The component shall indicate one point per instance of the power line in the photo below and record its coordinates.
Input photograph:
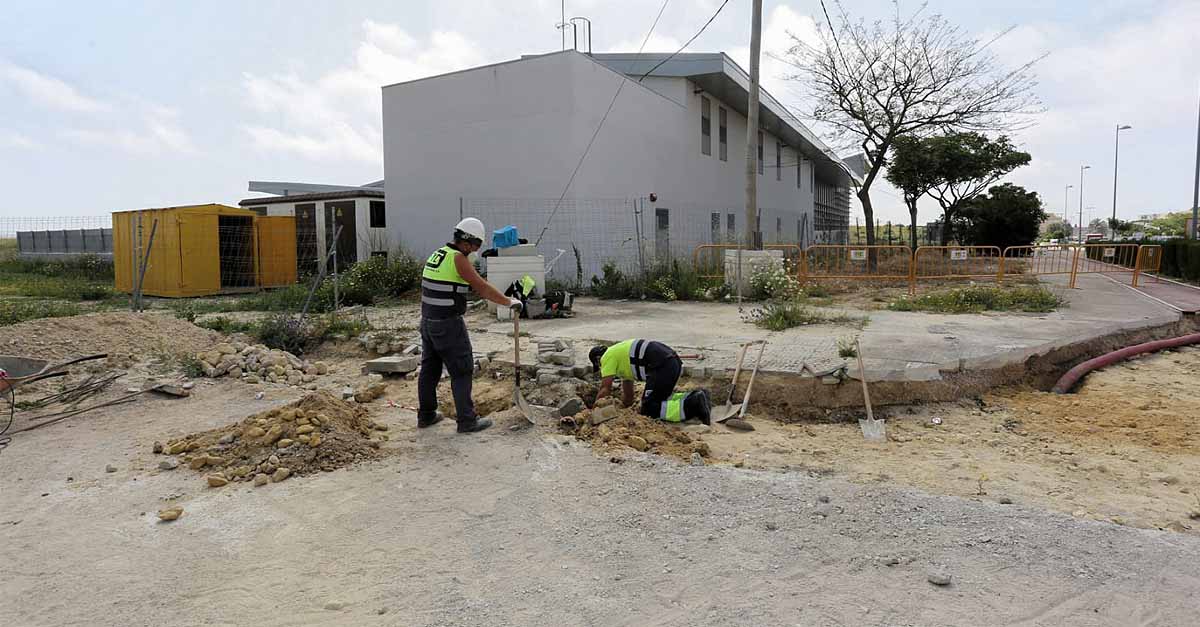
(599, 126)
(686, 43)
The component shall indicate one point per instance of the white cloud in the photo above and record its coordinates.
(777, 37)
(337, 116)
(47, 90)
(18, 141)
(157, 132)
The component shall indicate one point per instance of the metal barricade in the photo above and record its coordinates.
(709, 260)
(1047, 260)
(857, 263)
(1106, 259)
(1149, 261)
(956, 262)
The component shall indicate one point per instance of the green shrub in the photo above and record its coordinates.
(287, 333)
(227, 325)
(772, 282)
(665, 280)
(778, 315)
(1033, 299)
(191, 367)
(14, 311)
(1181, 259)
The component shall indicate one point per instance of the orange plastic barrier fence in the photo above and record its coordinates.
(1039, 260)
(844, 262)
(1149, 261)
(709, 259)
(1106, 259)
(956, 262)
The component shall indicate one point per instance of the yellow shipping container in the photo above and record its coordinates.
(200, 250)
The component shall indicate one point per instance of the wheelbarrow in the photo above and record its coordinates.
(16, 371)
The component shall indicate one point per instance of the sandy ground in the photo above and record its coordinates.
(529, 527)
(1125, 448)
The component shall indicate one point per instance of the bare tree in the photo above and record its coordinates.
(915, 75)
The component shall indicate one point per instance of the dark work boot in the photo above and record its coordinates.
(423, 423)
(697, 404)
(471, 426)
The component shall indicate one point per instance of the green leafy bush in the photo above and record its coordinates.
(14, 311)
(1034, 299)
(771, 281)
(778, 315)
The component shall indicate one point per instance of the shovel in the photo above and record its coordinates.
(872, 429)
(725, 414)
(518, 398)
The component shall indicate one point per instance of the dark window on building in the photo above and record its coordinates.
(731, 226)
(378, 214)
(722, 134)
(705, 126)
(778, 161)
(715, 235)
(778, 230)
(760, 159)
(262, 211)
(799, 171)
(662, 232)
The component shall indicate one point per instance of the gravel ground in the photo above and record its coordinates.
(527, 528)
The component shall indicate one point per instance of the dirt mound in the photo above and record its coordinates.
(632, 430)
(316, 433)
(115, 333)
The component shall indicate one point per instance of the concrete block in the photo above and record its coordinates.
(562, 358)
(602, 415)
(571, 406)
(394, 364)
(412, 349)
(547, 378)
(580, 372)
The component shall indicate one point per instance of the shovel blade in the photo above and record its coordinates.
(872, 430)
(721, 413)
(522, 405)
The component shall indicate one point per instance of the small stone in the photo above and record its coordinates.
(169, 514)
(547, 379)
(284, 443)
(274, 434)
(176, 448)
(334, 606)
(216, 481)
(187, 385)
(637, 442)
(823, 499)
(305, 429)
(381, 611)
(347, 393)
(196, 463)
(890, 561)
(772, 525)
(168, 464)
(252, 379)
(158, 447)
(1004, 500)
(303, 439)
(1165, 478)
(697, 459)
(314, 441)
(273, 460)
(226, 439)
(254, 432)
(281, 474)
(939, 578)
(571, 406)
(261, 480)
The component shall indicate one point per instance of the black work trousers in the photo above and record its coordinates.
(660, 384)
(445, 343)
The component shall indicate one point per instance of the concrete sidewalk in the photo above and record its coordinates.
(897, 346)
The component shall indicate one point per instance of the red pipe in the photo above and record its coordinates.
(1073, 375)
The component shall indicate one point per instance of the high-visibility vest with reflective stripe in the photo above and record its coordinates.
(672, 408)
(443, 290)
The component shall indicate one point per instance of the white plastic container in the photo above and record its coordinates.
(502, 271)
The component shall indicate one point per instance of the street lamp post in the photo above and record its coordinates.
(1116, 154)
(1081, 169)
(1066, 200)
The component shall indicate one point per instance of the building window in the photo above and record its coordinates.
(812, 177)
(778, 161)
(731, 226)
(760, 159)
(778, 230)
(799, 171)
(662, 233)
(378, 215)
(262, 211)
(722, 134)
(715, 235)
(705, 126)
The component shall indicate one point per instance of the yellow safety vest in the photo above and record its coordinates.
(443, 290)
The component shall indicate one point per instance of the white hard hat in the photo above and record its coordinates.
(472, 227)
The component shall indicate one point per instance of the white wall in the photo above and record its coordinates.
(517, 130)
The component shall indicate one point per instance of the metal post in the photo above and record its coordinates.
(336, 296)
(1080, 225)
(460, 208)
(1116, 155)
(1066, 201)
(145, 264)
(1196, 185)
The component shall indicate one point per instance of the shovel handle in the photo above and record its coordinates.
(517, 346)
(862, 375)
(750, 384)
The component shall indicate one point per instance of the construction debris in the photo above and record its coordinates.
(170, 513)
(624, 428)
(316, 433)
(255, 363)
(395, 364)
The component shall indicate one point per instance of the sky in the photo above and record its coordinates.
(128, 104)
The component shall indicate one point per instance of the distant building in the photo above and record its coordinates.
(319, 210)
(501, 142)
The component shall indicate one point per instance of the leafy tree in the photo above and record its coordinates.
(1170, 225)
(910, 76)
(967, 165)
(1008, 215)
(1120, 227)
(914, 171)
(1060, 231)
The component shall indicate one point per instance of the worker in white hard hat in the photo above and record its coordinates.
(448, 276)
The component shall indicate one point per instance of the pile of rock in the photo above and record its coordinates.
(255, 363)
(556, 361)
(386, 343)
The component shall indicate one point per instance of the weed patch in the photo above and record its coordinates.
(1032, 299)
(14, 311)
(787, 314)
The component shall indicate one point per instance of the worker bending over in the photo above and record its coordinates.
(659, 366)
(447, 277)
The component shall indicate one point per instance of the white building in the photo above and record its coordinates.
(360, 211)
(501, 142)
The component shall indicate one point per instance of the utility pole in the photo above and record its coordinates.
(1066, 201)
(751, 145)
(1196, 185)
(1116, 154)
(1081, 169)
(752, 130)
